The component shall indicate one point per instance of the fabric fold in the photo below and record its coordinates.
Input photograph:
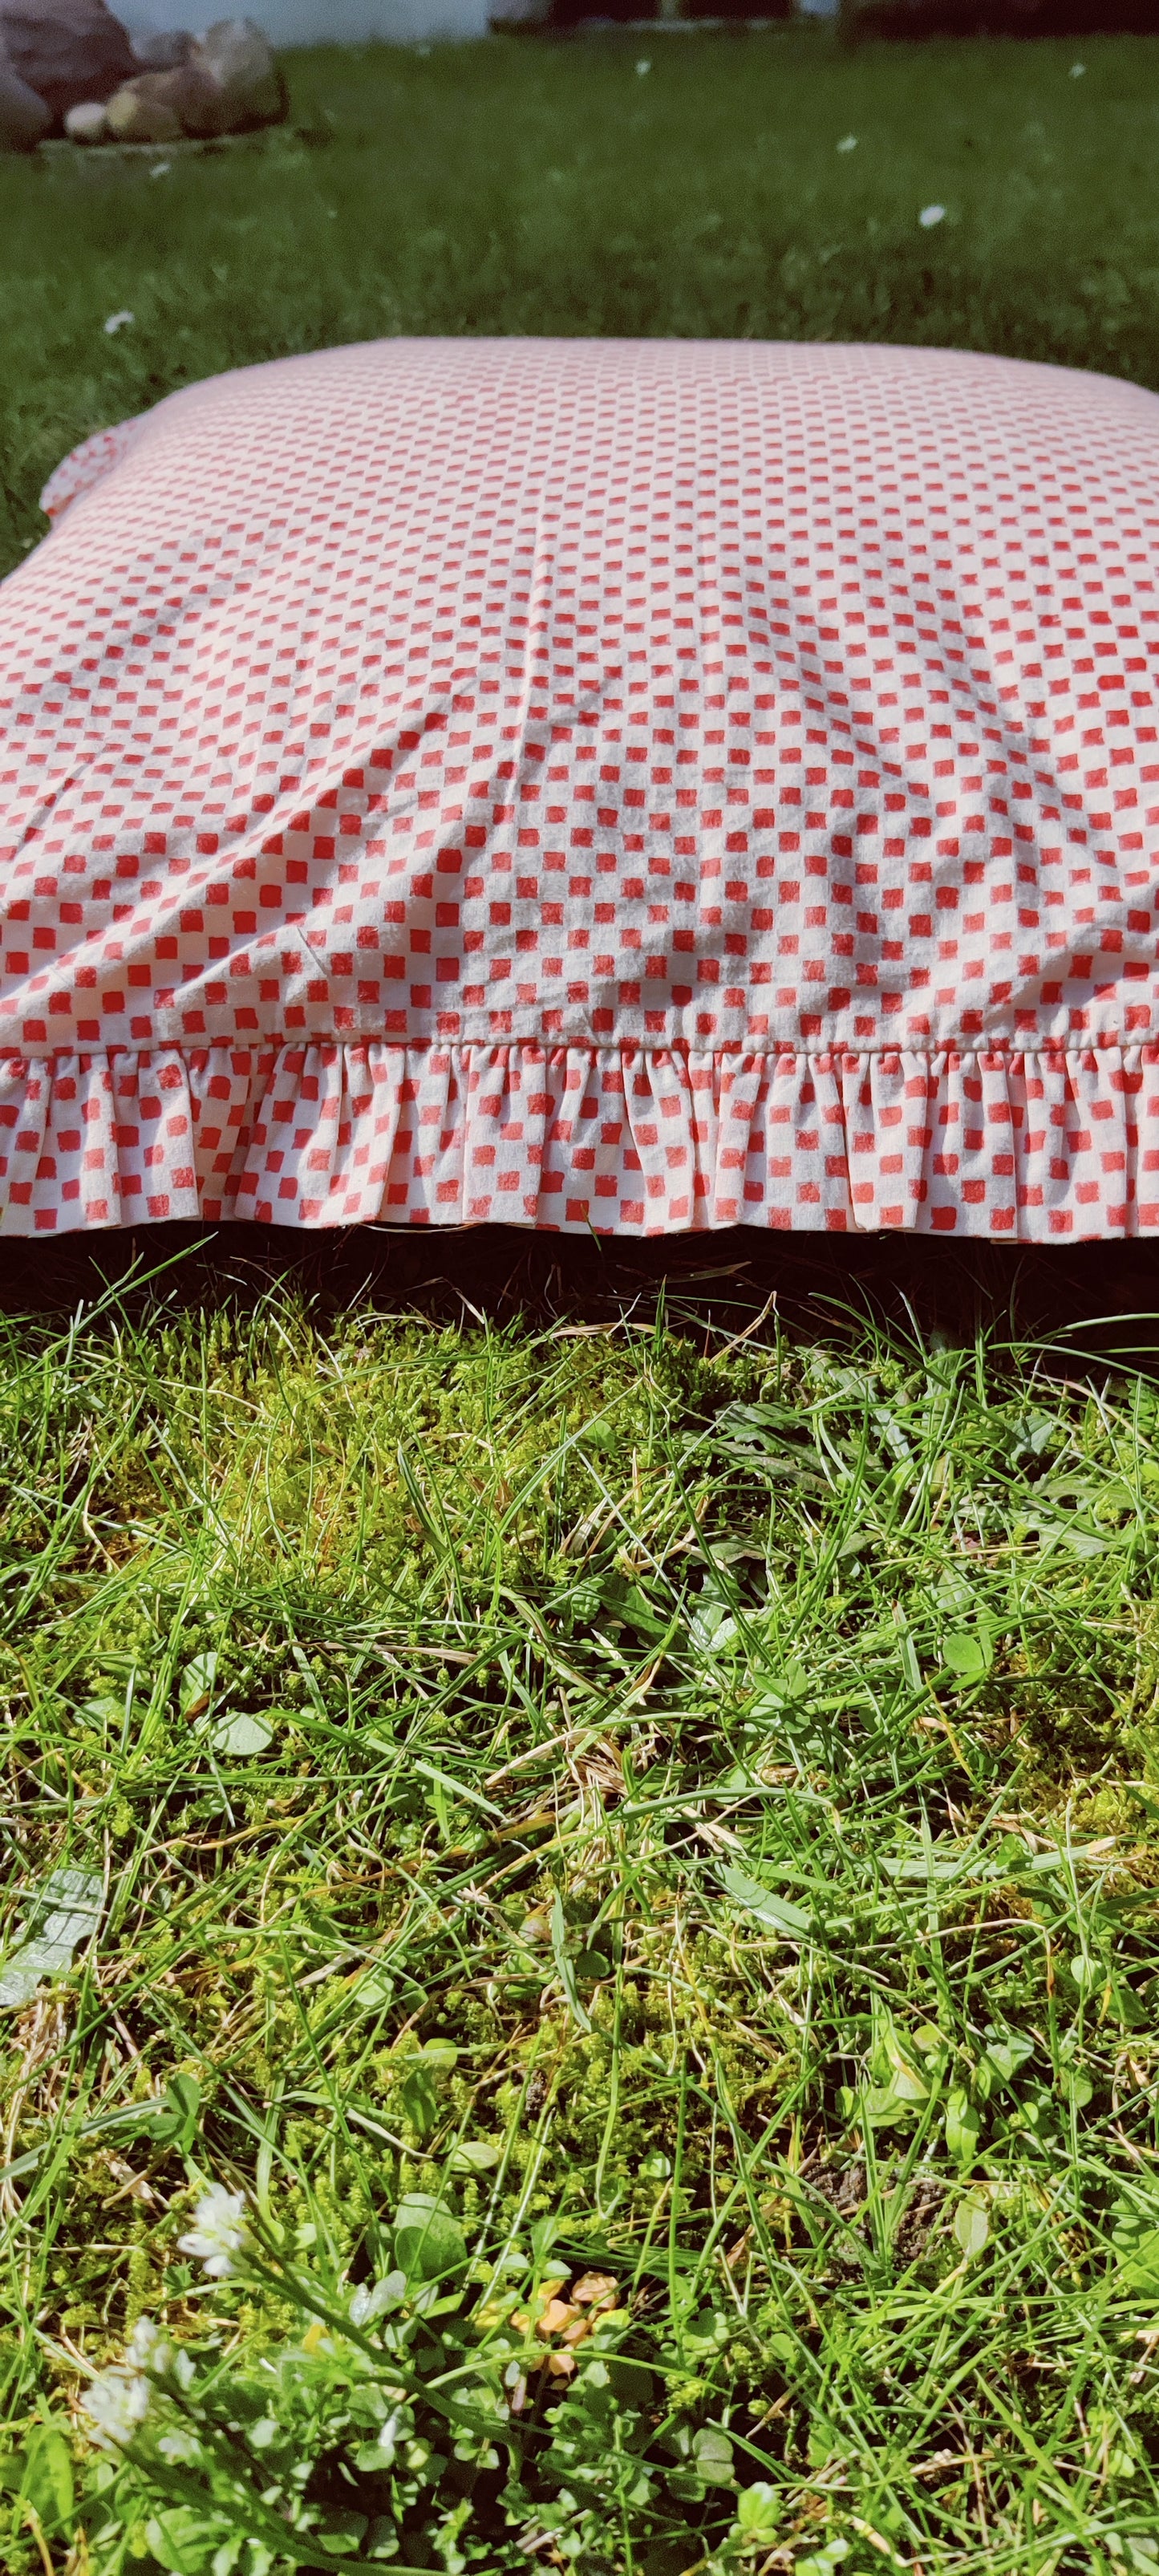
(1028, 1147)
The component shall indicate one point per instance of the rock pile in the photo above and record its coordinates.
(24, 118)
(70, 63)
(64, 51)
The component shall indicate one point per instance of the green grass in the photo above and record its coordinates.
(816, 1679)
(546, 187)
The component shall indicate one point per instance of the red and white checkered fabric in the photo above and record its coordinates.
(631, 785)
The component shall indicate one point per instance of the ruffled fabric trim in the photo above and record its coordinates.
(86, 466)
(1021, 1147)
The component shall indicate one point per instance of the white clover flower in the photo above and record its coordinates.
(1077, 70)
(148, 2348)
(117, 2404)
(181, 2445)
(219, 2231)
(929, 216)
(641, 68)
(848, 143)
(117, 321)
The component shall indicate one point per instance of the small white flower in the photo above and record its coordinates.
(848, 143)
(160, 169)
(929, 216)
(641, 68)
(218, 2232)
(179, 2443)
(148, 2348)
(1077, 70)
(116, 2405)
(117, 321)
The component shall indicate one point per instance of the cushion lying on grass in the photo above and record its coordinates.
(630, 785)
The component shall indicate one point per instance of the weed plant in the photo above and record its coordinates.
(525, 185)
(682, 1806)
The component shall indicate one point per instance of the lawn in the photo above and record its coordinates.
(687, 1803)
(619, 1825)
(554, 187)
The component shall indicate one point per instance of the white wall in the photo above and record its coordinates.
(316, 22)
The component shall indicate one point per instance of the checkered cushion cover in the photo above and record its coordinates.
(630, 785)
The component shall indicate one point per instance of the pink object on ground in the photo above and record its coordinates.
(631, 785)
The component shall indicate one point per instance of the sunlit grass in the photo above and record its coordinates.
(817, 1684)
(539, 186)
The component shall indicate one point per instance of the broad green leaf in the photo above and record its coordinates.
(713, 2457)
(779, 1690)
(1003, 2056)
(176, 2117)
(195, 1687)
(368, 2303)
(882, 2104)
(103, 1712)
(969, 1653)
(758, 2511)
(185, 2540)
(707, 2332)
(441, 2055)
(65, 1912)
(907, 2084)
(339, 2529)
(775, 1910)
(243, 1735)
(1135, 2238)
(823, 2442)
(972, 2222)
(419, 2098)
(712, 1629)
(373, 1992)
(631, 2382)
(475, 2155)
(899, 2087)
(963, 2125)
(644, 1615)
(428, 2242)
(47, 2481)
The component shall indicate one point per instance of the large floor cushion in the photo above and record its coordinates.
(617, 785)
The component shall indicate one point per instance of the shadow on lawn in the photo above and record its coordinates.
(1096, 1299)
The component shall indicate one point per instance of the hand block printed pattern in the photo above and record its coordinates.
(590, 784)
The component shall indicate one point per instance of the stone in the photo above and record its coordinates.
(236, 55)
(227, 84)
(70, 52)
(157, 107)
(157, 52)
(24, 118)
(87, 123)
(142, 112)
